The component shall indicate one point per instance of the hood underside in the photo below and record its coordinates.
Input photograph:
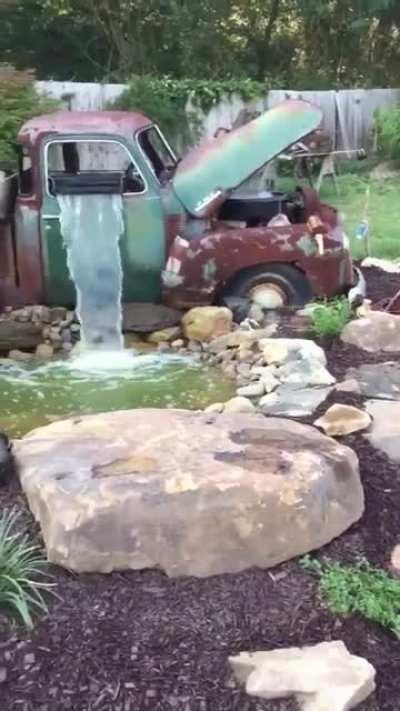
(208, 173)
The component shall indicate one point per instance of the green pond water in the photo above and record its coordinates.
(34, 396)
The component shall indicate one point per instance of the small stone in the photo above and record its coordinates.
(229, 369)
(165, 335)
(58, 313)
(46, 331)
(204, 323)
(256, 313)
(3, 675)
(194, 347)
(216, 407)
(269, 382)
(290, 401)
(20, 356)
(349, 386)
(67, 347)
(341, 420)
(44, 352)
(395, 561)
(324, 677)
(274, 352)
(55, 335)
(22, 315)
(41, 313)
(245, 355)
(239, 404)
(163, 347)
(179, 343)
(251, 390)
(29, 659)
(75, 328)
(66, 336)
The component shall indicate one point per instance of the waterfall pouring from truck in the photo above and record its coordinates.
(91, 227)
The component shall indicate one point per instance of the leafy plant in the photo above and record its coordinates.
(387, 124)
(21, 566)
(330, 318)
(19, 101)
(165, 100)
(360, 589)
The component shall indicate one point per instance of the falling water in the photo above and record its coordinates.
(91, 226)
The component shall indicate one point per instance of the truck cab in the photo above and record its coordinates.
(193, 232)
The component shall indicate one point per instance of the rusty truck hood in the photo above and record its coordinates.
(208, 173)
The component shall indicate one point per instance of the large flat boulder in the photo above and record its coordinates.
(191, 493)
(146, 318)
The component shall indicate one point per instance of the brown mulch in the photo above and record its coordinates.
(139, 641)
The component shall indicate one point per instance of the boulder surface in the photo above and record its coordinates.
(191, 493)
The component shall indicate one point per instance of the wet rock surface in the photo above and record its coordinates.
(191, 493)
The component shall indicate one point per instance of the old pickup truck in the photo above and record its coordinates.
(194, 231)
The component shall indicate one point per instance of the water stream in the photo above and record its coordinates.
(91, 226)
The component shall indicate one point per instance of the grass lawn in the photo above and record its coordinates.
(382, 210)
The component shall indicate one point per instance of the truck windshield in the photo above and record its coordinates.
(158, 152)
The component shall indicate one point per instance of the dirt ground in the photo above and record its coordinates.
(140, 641)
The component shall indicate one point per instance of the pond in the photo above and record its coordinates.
(32, 396)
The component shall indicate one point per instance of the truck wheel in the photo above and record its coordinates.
(271, 286)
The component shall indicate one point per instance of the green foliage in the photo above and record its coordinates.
(387, 123)
(19, 101)
(330, 318)
(20, 567)
(164, 100)
(359, 589)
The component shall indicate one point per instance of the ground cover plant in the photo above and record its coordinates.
(359, 589)
(22, 568)
(329, 318)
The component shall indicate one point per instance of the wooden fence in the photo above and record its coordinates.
(348, 114)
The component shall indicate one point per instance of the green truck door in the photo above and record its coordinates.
(142, 244)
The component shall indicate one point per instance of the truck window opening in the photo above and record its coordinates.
(77, 166)
(156, 149)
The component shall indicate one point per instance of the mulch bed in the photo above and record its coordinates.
(137, 641)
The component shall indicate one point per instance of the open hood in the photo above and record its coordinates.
(209, 172)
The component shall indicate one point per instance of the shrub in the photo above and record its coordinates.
(21, 566)
(387, 124)
(19, 101)
(165, 99)
(330, 318)
(360, 589)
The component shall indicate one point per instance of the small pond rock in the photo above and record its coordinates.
(44, 351)
(292, 401)
(251, 390)
(239, 404)
(204, 323)
(20, 356)
(165, 336)
(341, 420)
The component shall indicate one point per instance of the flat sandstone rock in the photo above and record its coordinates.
(324, 677)
(379, 331)
(191, 493)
